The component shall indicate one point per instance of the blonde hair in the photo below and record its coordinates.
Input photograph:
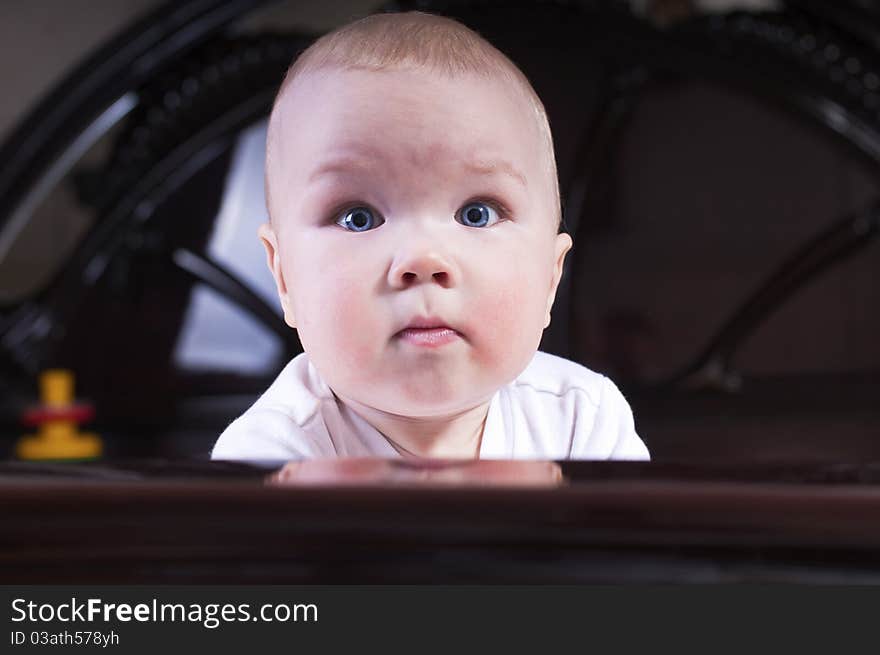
(412, 40)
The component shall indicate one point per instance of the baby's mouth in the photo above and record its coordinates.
(428, 333)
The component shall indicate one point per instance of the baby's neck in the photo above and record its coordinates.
(455, 436)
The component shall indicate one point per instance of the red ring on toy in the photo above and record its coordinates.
(35, 416)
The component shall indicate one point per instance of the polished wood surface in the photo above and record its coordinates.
(155, 521)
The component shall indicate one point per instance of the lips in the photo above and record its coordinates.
(426, 323)
(428, 332)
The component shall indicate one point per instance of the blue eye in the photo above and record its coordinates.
(359, 219)
(477, 214)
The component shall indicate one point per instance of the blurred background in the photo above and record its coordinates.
(719, 168)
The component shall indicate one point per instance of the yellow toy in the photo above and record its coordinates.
(57, 420)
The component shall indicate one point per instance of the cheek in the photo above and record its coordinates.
(356, 324)
(500, 311)
(510, 316)
(337, 318)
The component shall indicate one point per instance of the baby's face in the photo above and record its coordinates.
(414, 235)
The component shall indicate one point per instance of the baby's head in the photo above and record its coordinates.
(414, 212)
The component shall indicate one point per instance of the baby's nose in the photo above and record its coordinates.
(421, 264)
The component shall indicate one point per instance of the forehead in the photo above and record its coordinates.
(410, 114)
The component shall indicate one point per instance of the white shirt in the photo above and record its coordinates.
(555, 409)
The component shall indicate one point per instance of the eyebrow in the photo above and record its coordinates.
(341, 165)
(338, 165)
(495, 166)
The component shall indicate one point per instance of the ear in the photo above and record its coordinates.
(273, 260)
(561, 246)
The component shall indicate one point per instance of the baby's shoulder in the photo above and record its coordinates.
(286, 422)
(568, 411)
(297, 393)
(556, 376)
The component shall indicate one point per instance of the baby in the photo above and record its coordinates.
(414, 240)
